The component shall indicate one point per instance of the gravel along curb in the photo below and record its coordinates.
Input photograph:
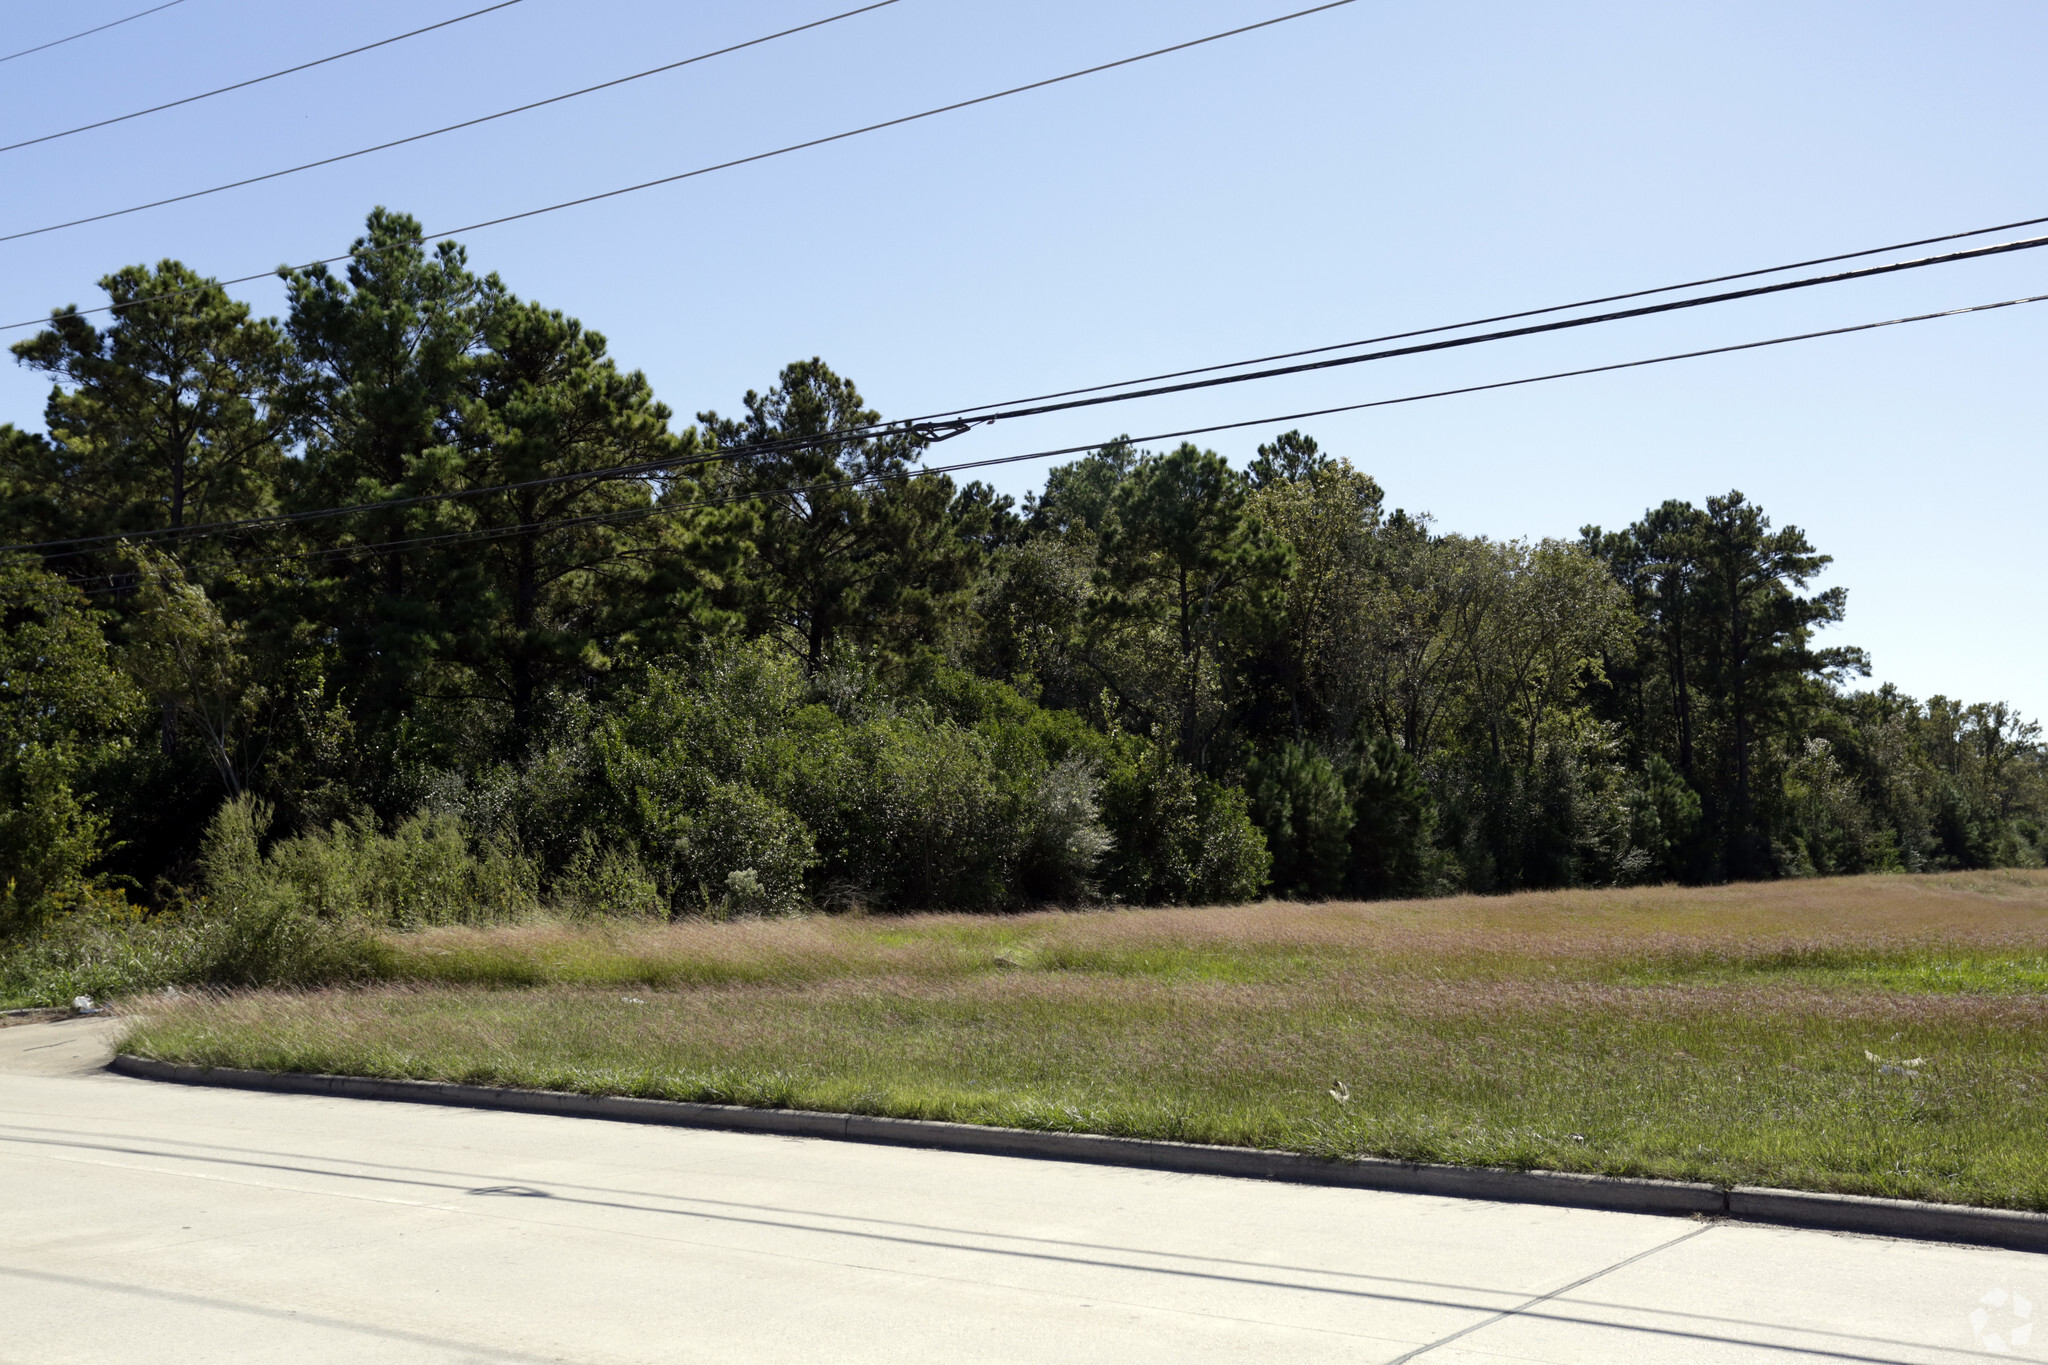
(1834, 1212)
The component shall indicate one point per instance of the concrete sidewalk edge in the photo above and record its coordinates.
(1831, 1212)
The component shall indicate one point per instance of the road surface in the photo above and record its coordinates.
(160, 1223)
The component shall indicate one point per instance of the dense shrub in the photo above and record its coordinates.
(1181, 839)
(426, 871)
(1300, 803)
(738, 785)
(63, 707)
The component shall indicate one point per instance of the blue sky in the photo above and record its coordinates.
(1370, 169)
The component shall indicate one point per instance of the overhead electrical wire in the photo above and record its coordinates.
(758, 495)
(450, 128)
(1504, 317)
(779, 151)
(1533, 329)
(942, 425)
(253, 80)
(87, 33)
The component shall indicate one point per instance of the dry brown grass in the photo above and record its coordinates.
(1976, 914)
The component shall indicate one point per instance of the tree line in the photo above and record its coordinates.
(769, 662)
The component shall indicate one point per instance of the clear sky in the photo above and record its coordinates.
(1370, 169)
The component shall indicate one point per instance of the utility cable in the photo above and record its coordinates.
(858, 481)
(1503, 317)
(941, 427)
(450, 128)
(254, 80)
(87, 33)
(1533, 329)
(764, 156)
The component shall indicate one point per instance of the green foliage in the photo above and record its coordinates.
(426, 871)
(1393, 818)
(63, 707)
(1299, 801)
(564, 654)
(1723, 672)
(740, 785)
(610, 881)
(846, 535)
(1664, 827)
(1181, 839)
(249, 927)
(1182, 562)
(160, 420)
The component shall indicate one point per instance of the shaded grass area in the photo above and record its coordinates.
(1876, 1036)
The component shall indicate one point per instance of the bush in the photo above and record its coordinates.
(738, 787)
(427, 871)
(1064, 839)
(63, 709)
(108, 949)
(1299, 801)
(1180, 838)
(608, 881)
(49, 837)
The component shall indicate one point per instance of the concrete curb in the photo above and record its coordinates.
(1833, 1212)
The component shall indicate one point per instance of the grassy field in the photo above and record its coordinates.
(1880, 1035)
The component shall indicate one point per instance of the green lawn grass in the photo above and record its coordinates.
(1874, 1035)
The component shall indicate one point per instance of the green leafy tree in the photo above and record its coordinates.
(1180, 838)
(191, 660)
(1664, 827)
(1077, 496)
(1725, 670)
(1182, 562)
(851, 545)
(1292, 457)
(559, 578)
(384, 359)
(1403, 657)
(64, 712)
(1551, 613)
(160, 419)
(1393, 818)
(1758, 654)
(1301, 674)
(1658, 561)
(1299, 801)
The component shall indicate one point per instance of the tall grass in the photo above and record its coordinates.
(304, 912)
(1883, 1035)
(1766, 1085)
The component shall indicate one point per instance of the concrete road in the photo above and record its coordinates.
(160, 1223)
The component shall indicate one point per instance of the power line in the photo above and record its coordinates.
(87, 33)
(421, 137)
(1534, 329)
(254, 80)
(757, 495)
(1503, 317)
(764, 156)
(940, 427)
